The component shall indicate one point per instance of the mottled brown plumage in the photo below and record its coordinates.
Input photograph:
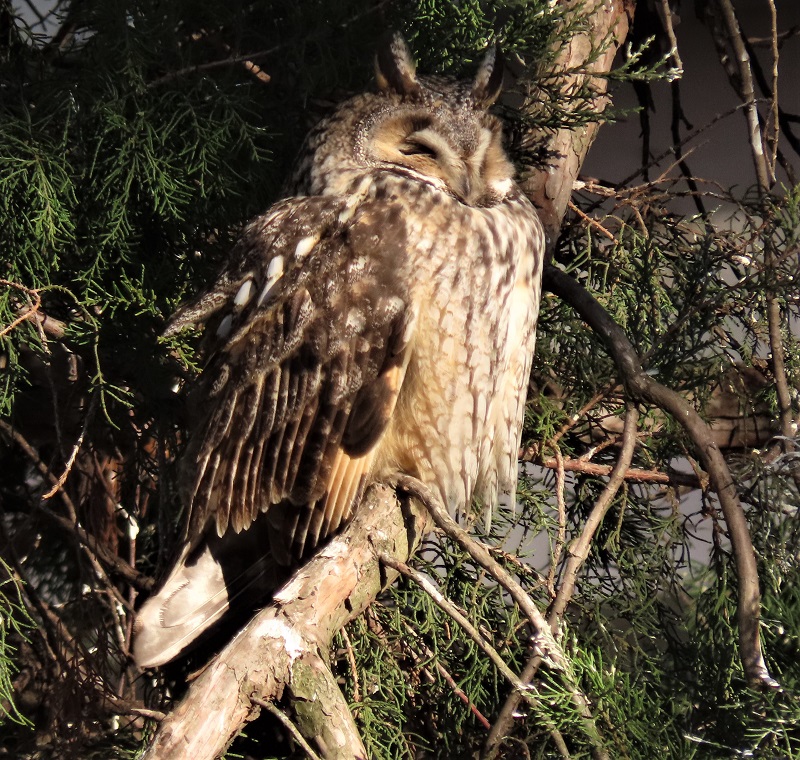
(381, 320)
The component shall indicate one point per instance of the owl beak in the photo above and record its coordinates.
(466, 187)
(469, 186)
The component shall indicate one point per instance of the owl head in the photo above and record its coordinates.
(432, 129)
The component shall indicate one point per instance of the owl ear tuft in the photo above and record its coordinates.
(489, 79)
(395, 69)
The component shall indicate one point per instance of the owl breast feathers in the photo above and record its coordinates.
(379, 321)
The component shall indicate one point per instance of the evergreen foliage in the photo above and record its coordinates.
(135, 140)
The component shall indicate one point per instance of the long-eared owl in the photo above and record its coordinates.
(380, 320)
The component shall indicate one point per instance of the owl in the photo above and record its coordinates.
(379, 320)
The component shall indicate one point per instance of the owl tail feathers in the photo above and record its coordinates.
(219, 574)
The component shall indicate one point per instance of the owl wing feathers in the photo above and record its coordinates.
(310, 333)
(310, 352)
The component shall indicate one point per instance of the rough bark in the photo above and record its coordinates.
(282, 654)
(585, 59)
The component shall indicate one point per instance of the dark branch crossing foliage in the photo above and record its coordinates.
(135, 141)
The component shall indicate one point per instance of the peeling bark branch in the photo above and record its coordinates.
(282, 654)
(550, 190)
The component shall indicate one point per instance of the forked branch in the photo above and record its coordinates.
(642, 387)
(282, 654)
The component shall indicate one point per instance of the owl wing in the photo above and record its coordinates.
(311, 335)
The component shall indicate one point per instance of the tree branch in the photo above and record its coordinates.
(282, 652)
(606, 24)
(524, 690)
(725, 30)
(546, 648)
(578, 552)
(641, 386)
(96, 551)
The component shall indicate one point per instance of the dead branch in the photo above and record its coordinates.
(246, 59)
(526, 691)
(671, 478)
(64, 649)
(96, 551)
(34, 302)
(561, 533)
(547, 644)
(579, 550)
(443, 672)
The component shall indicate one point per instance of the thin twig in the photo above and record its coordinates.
(248, 59)
(739, 62)
(591, 222)
(290, 727)
(576, 418)
(561, 535)
(671, 478)
(671, 150)
(579, 550)
(526, 691)
(351, 659)
(542, 641)
(547, 644)
(444, 673)
(677, 63)
(66, 649)
(29, 313)
(71, 524)
(59, 484)
(774, 111)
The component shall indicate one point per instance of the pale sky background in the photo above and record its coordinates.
(721, 153)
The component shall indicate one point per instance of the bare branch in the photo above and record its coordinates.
(278, 653)
(29, 313)
(444, 673)
(642, 386)
(671, 478)
(114, 564)
(726, 31)
(578, 552)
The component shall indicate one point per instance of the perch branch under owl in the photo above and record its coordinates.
(332, 588)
